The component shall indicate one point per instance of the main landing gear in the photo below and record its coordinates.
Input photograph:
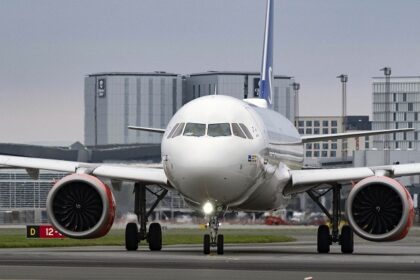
(133, 235)
(325, 238)
(213, 239)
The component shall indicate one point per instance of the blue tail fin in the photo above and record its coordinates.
(267, 59)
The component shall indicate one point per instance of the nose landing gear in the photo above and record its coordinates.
(213, 239)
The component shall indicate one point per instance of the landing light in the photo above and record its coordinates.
(208, 208)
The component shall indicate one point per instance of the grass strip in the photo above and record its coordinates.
(16, 238)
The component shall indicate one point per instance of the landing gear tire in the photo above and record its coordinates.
(324, 240)
(154, 237)
(131, 237)
(346, 240)
(206, 244)
(220, 244)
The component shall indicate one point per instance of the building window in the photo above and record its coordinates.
(325, 131)
(410, 107)
(410, 145)
(324, 153)
(316, 146)
(416, 116)
(397, 145)
(199, 91)
(394, 117)
(325, 146)
(394, 97)
(416, 136)
(324, 123)
(309, 131)
(334, 146)
(301, 123)
(316, 123)
(301, 131)
(405, 116)
(316, 153)
(404, 97)
(366, 145)
(308, 123)
(316, 130)
(333, 154)
(396, 107)
(308, 154)
(333, 123)
(333, 130)
(308, 146)
(410, 124)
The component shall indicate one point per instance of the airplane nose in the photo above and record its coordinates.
(214, 171)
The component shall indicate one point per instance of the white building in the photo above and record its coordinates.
(398, 110)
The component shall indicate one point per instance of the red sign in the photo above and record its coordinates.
(42, 231)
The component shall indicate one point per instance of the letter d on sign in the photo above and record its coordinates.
(32, 231)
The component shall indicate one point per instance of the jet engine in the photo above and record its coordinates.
(380, 209)
(81, 206)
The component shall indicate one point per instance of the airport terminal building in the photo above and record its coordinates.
(115, 100)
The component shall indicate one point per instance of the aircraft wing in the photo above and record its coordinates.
(123, 172)
(306, 179)
(335, 136)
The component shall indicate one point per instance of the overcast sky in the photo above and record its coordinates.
(47, 47)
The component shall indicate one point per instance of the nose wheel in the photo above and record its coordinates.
(213, 239)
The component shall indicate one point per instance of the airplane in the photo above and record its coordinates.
(224, 154)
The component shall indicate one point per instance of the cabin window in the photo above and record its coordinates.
(178, 130)
(246, 131)
(219, 129)
(237, 131)
(195, 129)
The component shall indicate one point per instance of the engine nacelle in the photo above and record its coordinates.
(380, 209)
(81, 206)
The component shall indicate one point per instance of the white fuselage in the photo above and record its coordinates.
(230, 171)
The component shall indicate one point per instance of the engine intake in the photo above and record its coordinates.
(380, 209)
(81, 206)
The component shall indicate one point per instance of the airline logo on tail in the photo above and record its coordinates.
(267, 59)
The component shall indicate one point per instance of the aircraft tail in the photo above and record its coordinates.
(267, 58)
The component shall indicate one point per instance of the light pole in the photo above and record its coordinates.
(343, 79)
(387, 73)
(296, 88)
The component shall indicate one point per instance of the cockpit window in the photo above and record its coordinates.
(237, 131)
(219, 129)
(172, 131)
(195, 129)
(246, 131)
(178, 130)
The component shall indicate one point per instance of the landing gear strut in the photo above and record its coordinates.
(213, 239)
(133, 235)
(325, 239)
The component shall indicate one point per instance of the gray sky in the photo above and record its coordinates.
(48, 46)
